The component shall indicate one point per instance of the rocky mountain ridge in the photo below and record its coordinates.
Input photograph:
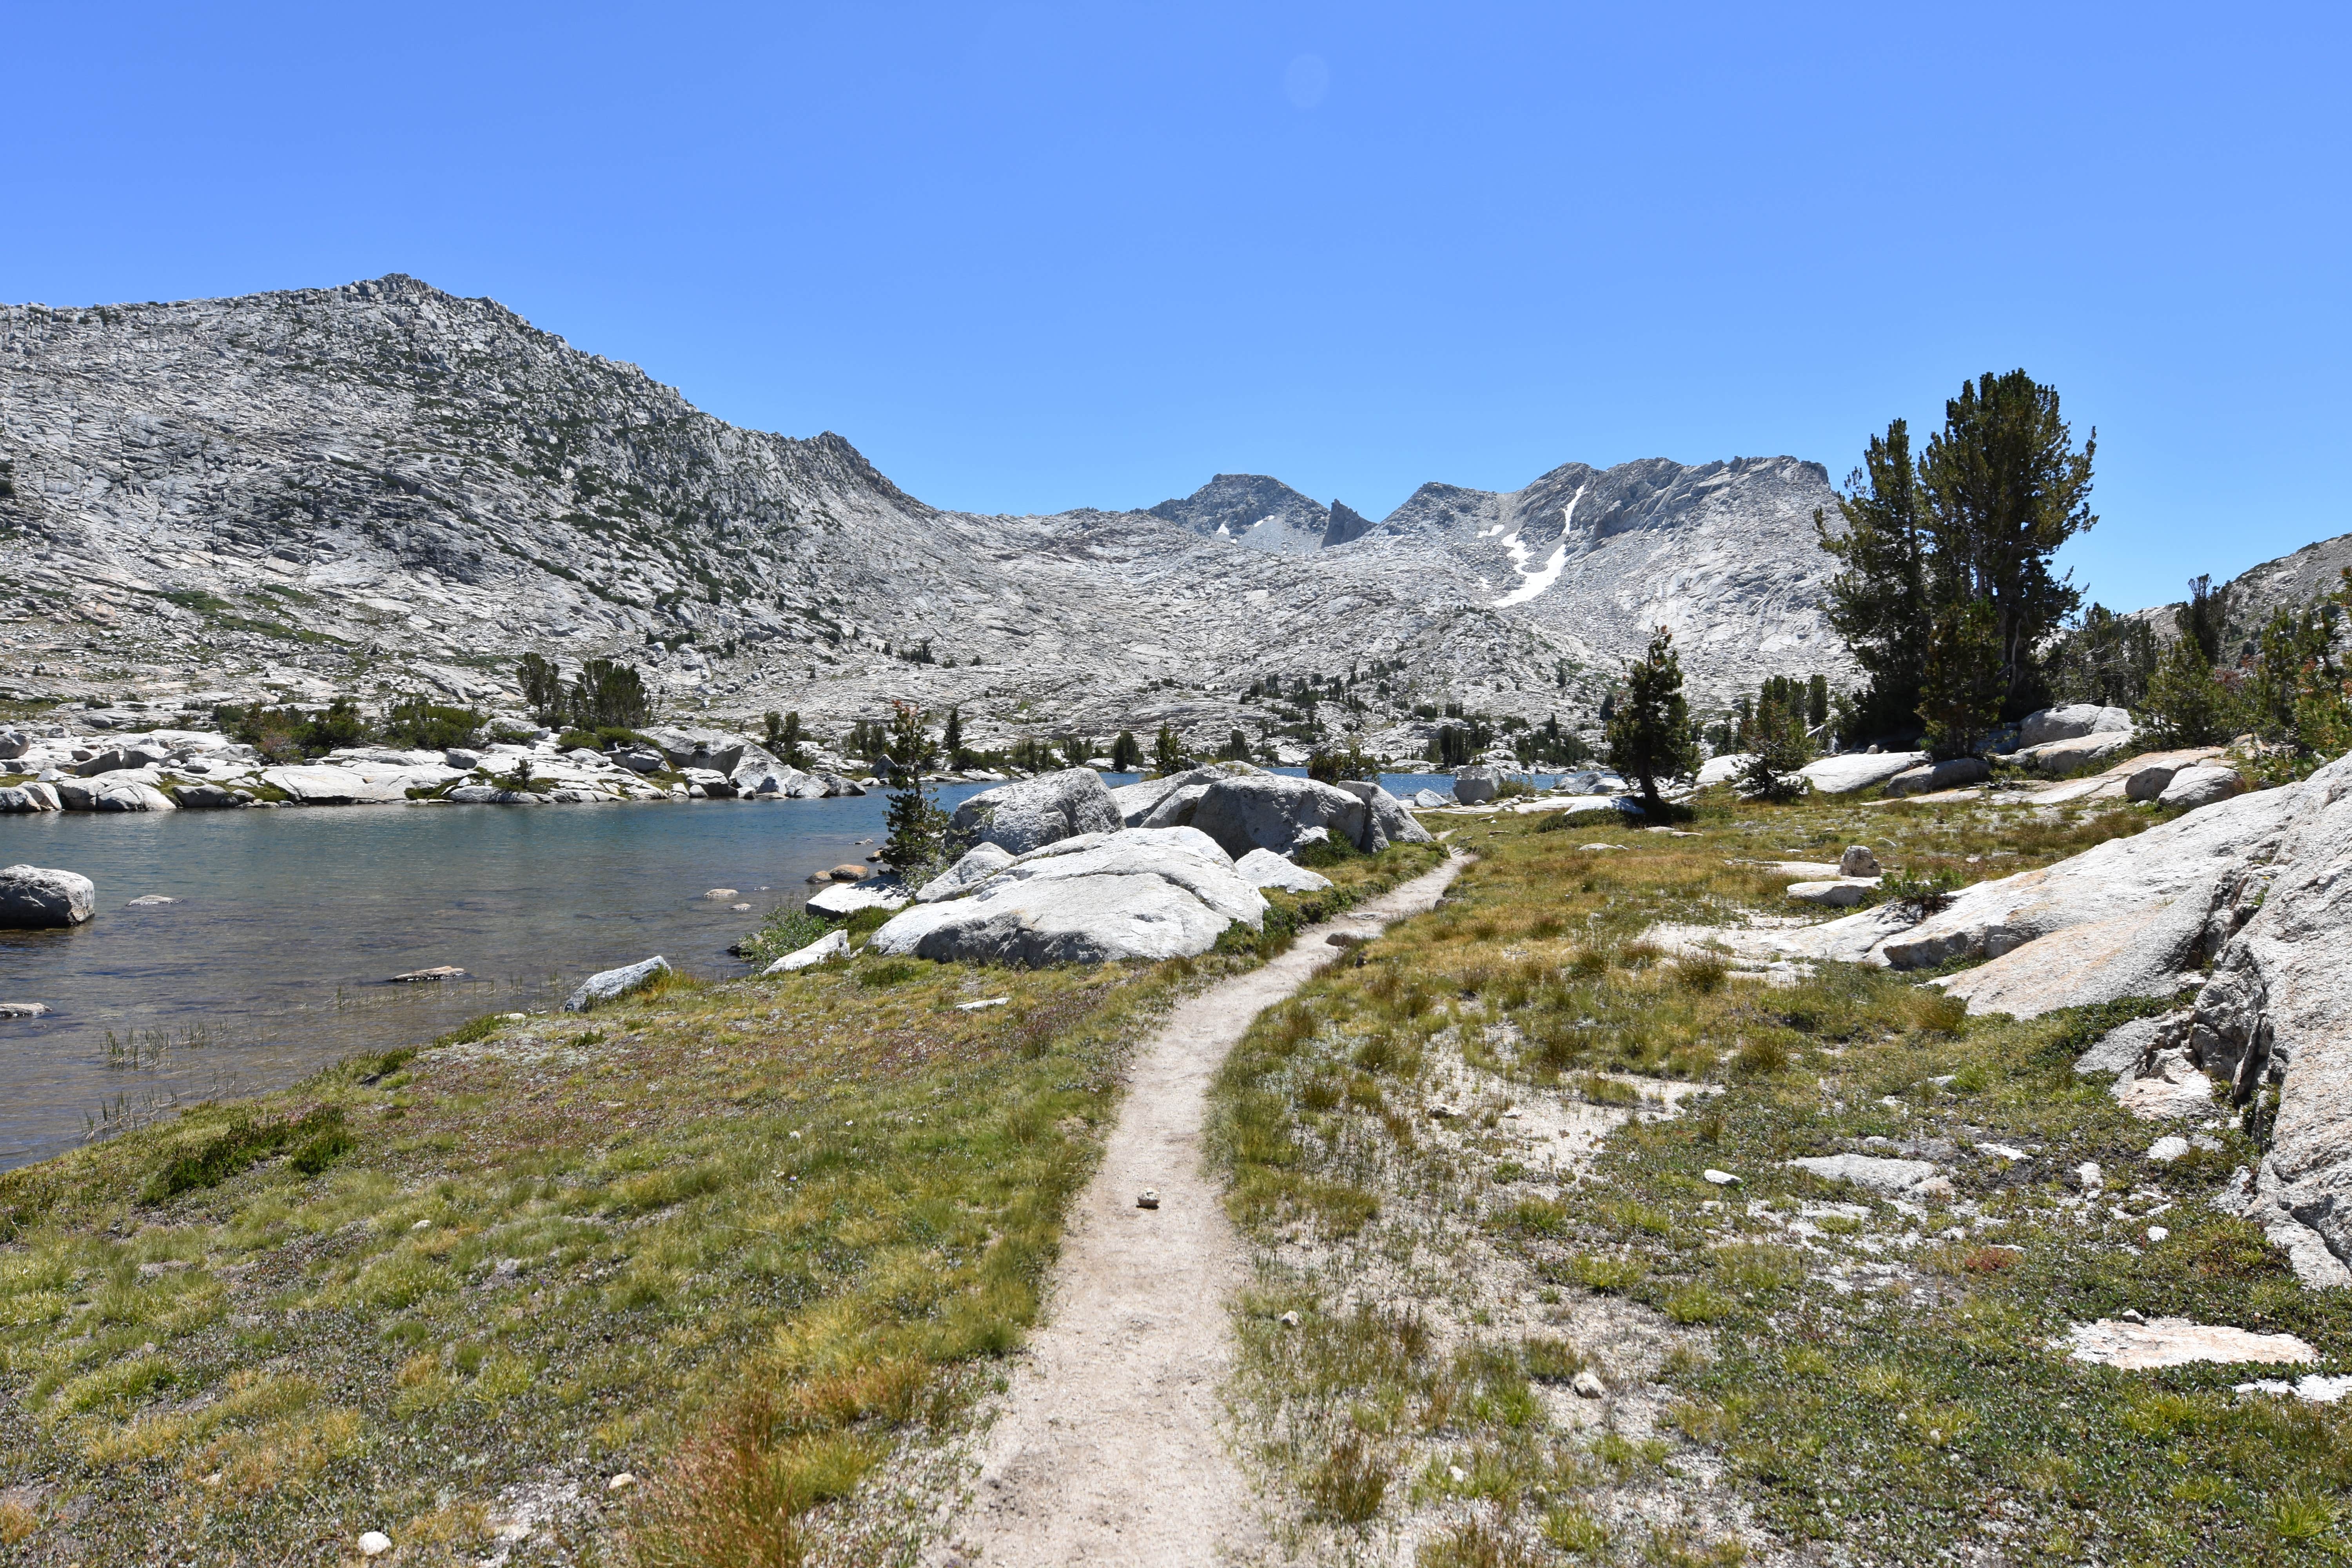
(382, 487)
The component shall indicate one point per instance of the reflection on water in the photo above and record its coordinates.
(275, 959)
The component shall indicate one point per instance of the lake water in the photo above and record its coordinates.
(275, 959)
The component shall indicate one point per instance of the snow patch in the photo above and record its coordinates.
(1536, 582)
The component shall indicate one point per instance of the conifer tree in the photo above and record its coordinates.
(918, 828)
(1167, 752)
(1879, 603)
(1650, 733)
(1961, 690)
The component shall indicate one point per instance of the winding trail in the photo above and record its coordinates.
(1108, 1448)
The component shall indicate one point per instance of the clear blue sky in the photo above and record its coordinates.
(1037, 257)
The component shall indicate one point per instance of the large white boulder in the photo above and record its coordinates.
(1476, 785)
(21, 799)
(1265, 869)
(609, 985)
(1143, 893)
(1079, 919)
(1030, 813)
(2071, 723)
(757, 771)
(1929, 777)
(126, 790)
(831, 945)
(1850, 770)
(844, 900)
(1392, 823)
(1273, 811)
(1168, 801)
(2201, 785)
(1723, 769)
(977, 865)
(322, 784)
(37, 897)
(1183, 856)
(687, 747)
(2074, 752)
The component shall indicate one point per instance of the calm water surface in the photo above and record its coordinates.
(275, 959)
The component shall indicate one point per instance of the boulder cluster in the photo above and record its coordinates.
(1063, 870)
(2242, 903)
(165, 769)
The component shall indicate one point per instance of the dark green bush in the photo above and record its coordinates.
(321, 1136)
(433, 726)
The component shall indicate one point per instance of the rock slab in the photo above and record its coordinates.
(40, 897)
(611, 985)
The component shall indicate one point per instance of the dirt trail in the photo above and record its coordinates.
(1108, 1448)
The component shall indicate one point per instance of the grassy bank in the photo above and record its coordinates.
(756, 1244)
(1473, 1165)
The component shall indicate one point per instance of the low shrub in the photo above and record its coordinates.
(321, 1136)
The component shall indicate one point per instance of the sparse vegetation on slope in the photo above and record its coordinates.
(1475, 1165)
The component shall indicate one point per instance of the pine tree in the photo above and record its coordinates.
(1975, 520)
(1167, 752)
(609, 695)
(2005, 488)
(953, 739)
(1126, 755)
(542, 688)
(2186, 705)
(2205, 618)
(1879, 603)
(1961, 693)
(1650, 733)
(1778, 744)
(1817, 701)
(918, 828)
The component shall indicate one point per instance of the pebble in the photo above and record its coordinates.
(2156, 1233)
(720, 893)
(1148, 1199)
(1719, 1178)
(374, 1543)
(1589, 1386)
(1289, 1319)
(983, 1002)
(22, 1009)
(621, 1482)
(149, 902)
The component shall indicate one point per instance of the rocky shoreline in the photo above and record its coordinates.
(50, 768)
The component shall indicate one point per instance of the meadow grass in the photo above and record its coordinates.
(752, 1242)
(1791, 1365)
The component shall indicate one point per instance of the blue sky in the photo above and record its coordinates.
(1037, 257)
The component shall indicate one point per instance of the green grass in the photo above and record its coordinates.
(746, 1240)
(1860, 1376)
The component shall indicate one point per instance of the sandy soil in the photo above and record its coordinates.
(1110, 1448)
